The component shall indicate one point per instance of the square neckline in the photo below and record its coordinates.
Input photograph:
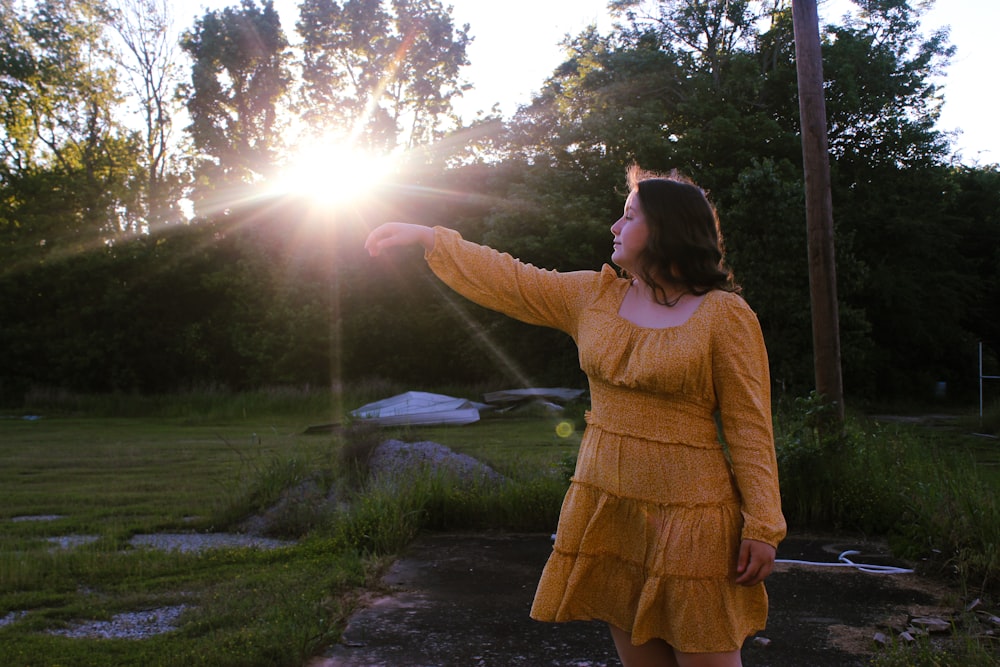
(627, 283)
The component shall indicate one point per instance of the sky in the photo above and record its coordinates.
(516, 47)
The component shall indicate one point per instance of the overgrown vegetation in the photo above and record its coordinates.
(927, 486)
(930, 489)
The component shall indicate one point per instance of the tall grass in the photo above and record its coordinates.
(386, 516)
(929, 494)
(336, 496)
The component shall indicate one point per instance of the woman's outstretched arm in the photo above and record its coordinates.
(493, 279)
(393, 234)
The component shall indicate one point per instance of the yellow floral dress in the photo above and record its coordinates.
(649, 531)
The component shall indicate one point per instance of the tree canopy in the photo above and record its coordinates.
(103, 136)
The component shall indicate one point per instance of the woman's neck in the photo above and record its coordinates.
(672, 292)
(640, 306)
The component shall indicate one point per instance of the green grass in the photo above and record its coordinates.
(153, 473)
(204, 462)
(204, 466)
(509, 444)
(113, 478)
(969, 648)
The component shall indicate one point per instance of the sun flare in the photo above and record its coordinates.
(333, 172)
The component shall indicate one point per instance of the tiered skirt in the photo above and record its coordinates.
(647, 541)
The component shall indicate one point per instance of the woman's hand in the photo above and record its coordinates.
(398, 234)
(755, 562)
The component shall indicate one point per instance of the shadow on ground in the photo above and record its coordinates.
(458, 600)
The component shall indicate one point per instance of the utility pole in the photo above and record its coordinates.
(819, 206)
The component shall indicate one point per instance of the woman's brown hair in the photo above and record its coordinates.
(685, 243)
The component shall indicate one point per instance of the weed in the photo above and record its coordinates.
(924, 651)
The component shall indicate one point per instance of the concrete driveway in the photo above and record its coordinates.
(462, 600)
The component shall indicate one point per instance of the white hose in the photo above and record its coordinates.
(844, 561)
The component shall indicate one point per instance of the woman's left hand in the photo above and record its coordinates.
(755, 562)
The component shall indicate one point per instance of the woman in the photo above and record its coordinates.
(665, 533)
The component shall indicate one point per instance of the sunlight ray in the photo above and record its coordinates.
(502, 360)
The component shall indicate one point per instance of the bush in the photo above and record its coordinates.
(836, 479)
(928, 496)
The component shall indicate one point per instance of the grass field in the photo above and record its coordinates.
(108, 479)
(204, 465)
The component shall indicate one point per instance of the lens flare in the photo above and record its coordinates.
(332, 172)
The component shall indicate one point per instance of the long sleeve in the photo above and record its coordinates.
(743, 388)
(500, 282)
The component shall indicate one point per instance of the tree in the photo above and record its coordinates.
(976, 197)
(381, 78)
(722, 105)
(882, 99)
(891, 193)
(66, 161)
(709, 32)
(239, 78)
(148, 56)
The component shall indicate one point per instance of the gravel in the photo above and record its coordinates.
(198, 542)
(70, 541)
(395, 459)
(127, 625)
(11, 617)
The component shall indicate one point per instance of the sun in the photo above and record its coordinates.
(332, 172)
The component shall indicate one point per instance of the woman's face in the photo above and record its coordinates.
(631, 234)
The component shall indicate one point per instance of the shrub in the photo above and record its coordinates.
(929, 497)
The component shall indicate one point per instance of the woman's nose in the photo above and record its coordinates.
(615, 226)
